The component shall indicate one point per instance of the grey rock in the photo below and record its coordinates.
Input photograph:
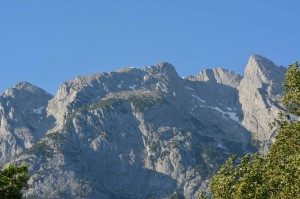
(23, 119)
(140, 132)
(219, 75)
(260, 93)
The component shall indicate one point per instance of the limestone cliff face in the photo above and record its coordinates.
(220, 76)
(260, 92)
(138, 132)
(23, 119)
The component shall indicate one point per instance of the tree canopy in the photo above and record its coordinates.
(277, 174)
(13, 179)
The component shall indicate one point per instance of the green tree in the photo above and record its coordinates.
(277, 174)
(291, 99)
(13, 179)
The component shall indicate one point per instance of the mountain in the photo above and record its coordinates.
(23, 119)
(138, 132)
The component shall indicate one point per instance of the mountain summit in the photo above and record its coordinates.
(261, 71)
(138, 132)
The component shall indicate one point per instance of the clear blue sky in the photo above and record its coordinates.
(48, 42)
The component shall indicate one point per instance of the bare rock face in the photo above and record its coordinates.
(220, 76)
(263, 72)
(23, 119)
(260, 92)
(138, 132)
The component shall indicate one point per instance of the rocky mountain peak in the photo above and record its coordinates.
(26, 86)
(220, 75)
(23, 84)
(261, 87)
(23, 119)
(206, 75)
(166, 68)
(264, 73)
(168, 135)
(259, 67)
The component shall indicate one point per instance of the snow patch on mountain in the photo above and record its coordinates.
(38, 110)
(133, 87)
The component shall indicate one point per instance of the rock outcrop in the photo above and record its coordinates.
(23, 120)
(260, 92)
(138, 132)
